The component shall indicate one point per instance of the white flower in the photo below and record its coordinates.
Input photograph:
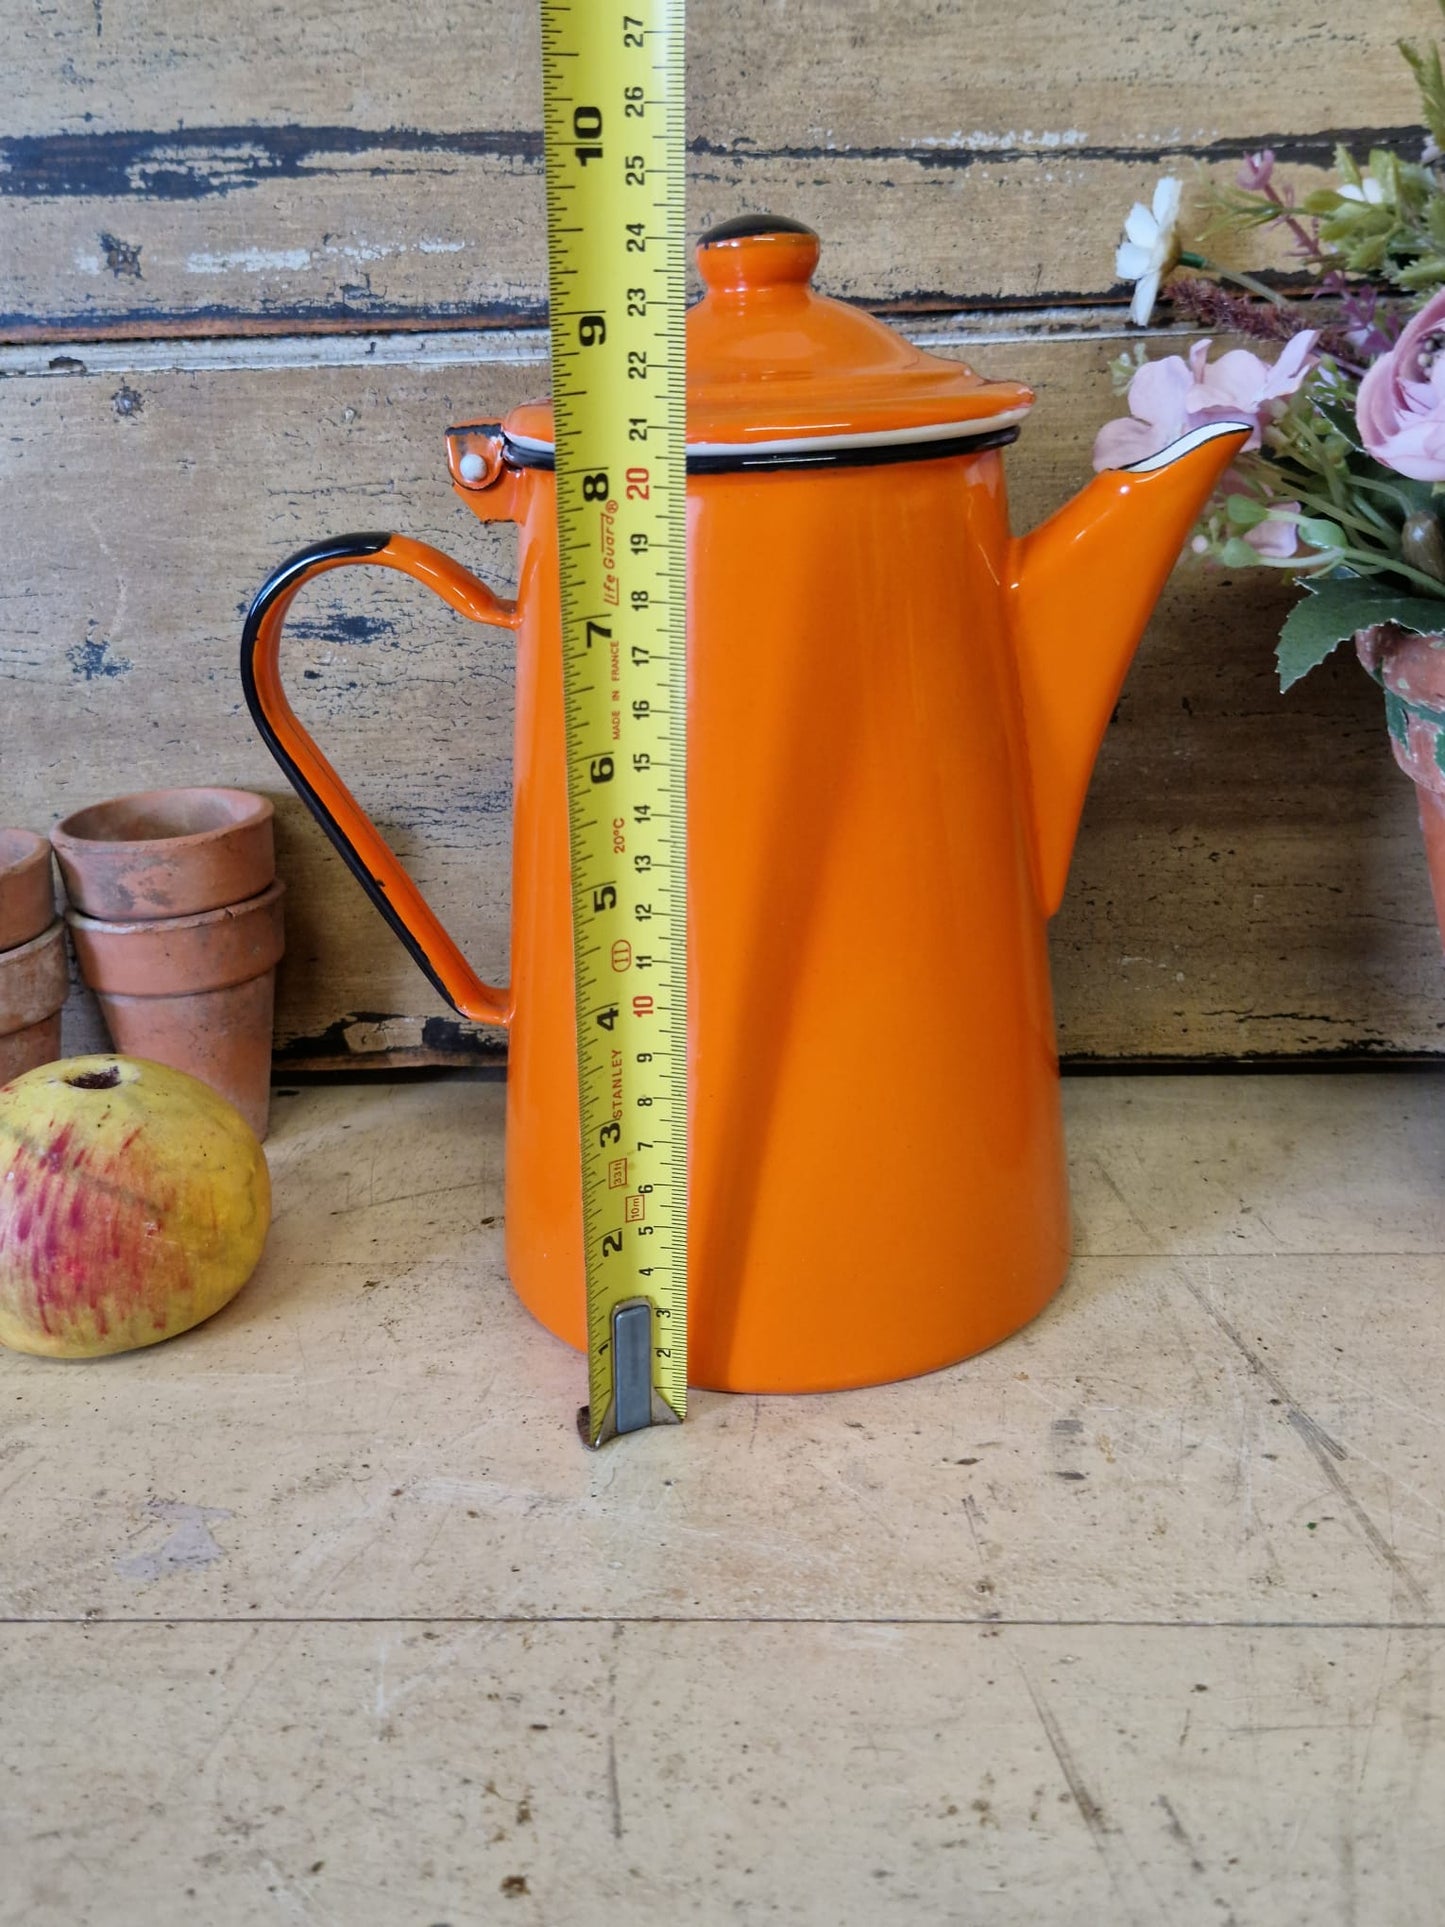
(1369, 190)
(1150, 247)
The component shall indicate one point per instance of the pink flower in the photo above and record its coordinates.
(1256, 172)
(1167, 398)
(1276, 536)
(1158, 414)
(1241, 383)
(1401, 405)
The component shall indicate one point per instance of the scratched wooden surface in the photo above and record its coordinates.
(181, 167)
(223, 237)
(322, 1613)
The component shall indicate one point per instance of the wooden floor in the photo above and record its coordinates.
(322, 1614)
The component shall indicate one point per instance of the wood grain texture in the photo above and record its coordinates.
(168, 168)
(1248, 878)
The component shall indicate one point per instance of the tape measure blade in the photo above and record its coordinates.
(613, 128)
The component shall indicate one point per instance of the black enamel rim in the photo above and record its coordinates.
(820, 456)
(747, 227)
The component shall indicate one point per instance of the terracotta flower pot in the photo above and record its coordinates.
(166, 853)
(194, 992)
(1411, 670)
(34, 979)
(27, 892)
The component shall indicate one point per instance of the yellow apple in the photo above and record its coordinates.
(134, 1202)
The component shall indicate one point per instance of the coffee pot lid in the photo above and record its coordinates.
(778, 372)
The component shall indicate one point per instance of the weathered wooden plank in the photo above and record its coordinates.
(1248, 878)
(806, 73)
(199, 169)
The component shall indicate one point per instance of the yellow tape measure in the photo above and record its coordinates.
(612, 73)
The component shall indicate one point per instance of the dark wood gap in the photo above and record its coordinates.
(237, 324)
(491, 1066)
(202, 163)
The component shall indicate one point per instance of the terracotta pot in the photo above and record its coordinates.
(166, 853)
(196, 993)
(34, 979)
(27, 892)
(1411, 670)
(1432, 822)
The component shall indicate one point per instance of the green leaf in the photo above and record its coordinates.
(1243, 512)
(1345, 164)
(1237, 554)
(1320, 534)
(1335, 610)
(1420, 275)
(1340, 415)
(1386, 170)
(1426, 69)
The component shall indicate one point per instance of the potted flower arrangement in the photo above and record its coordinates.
(1342, 484)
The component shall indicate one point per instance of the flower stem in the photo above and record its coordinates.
(1388, 565)
(1396, 495)
(1249, 283)
(1336, 513)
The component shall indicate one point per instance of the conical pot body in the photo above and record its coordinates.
(34, 978)
(196, 993)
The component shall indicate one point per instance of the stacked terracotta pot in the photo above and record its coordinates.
(176, 920)
(33, 973)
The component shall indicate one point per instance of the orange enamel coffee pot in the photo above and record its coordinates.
(894, 708)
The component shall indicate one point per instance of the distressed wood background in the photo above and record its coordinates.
(253, 261)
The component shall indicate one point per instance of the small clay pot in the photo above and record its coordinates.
(27, 892)
(34, 979)
(196, 992)
(166, 853)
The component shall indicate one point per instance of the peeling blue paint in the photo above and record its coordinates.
(341, 628)
(92, 658)
(121, 257)
(196, 163)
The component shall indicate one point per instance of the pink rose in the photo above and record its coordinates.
(1401, 404)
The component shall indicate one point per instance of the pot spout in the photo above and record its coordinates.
(1081, 590)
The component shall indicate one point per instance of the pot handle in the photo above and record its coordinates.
(365, 851)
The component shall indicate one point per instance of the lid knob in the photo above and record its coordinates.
(756, 251)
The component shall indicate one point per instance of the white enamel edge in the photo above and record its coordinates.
(1186, 445)
(803, 444)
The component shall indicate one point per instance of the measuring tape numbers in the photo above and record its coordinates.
(613, 127)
